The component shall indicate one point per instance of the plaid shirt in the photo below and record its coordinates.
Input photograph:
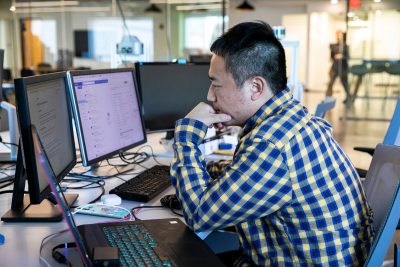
(292, 193)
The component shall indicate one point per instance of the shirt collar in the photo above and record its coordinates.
(272, 106)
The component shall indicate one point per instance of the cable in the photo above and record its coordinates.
(138, 208)
(123, 17)
(45, 240)
(100, 184)
(7, 143)
(10, 144)
(152, 153)
(58, 256)
(167, 31)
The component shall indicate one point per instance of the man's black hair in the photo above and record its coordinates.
(251, 49)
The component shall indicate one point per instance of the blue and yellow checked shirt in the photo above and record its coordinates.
(290, 190)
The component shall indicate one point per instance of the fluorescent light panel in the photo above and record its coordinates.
(46, 4)
(61, 9)
(183, 1)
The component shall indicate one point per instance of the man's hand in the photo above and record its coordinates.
(206, 114)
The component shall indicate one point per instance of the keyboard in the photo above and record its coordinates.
(136, 246)
(145, 185)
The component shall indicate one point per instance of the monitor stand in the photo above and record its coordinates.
(46, 211)
(97, 170)
(21, 208)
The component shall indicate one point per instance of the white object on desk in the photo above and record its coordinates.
(111, 199)
(13, 127)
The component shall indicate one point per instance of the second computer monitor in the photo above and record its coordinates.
(107, 112)
(169, 91)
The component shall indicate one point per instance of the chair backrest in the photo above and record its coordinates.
(382, 188)
(7, 76)
(358, 69)
(27, 72)
(327, 104)
(392, 136)
(393, 68)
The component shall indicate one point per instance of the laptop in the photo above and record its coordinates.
(169, 242)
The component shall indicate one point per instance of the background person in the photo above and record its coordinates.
(340, 66)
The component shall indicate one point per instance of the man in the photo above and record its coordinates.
(290, 191)
(339, 68)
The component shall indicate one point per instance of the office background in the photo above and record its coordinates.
(84, 34)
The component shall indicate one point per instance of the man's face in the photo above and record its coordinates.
(225, 96)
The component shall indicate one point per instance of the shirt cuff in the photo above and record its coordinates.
(190, 130)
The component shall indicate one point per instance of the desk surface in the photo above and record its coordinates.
(23, 240)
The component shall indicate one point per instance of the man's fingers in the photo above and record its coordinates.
(221, 117)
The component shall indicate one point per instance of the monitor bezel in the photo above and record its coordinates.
(26, 143)
(158, 63)
(77, 118)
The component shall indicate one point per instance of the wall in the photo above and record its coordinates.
(313, 24)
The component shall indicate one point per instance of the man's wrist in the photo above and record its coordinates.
(190, 130)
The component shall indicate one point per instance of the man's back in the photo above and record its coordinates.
(325, 221)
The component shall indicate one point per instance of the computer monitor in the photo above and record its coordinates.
(169, 91)
(42, 101)
(107, 114)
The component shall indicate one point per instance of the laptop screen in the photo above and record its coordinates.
(43, 164)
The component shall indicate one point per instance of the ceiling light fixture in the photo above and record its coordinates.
(245, 6)
(46, 4)
(152, 8)
(198, 7)
(334, 2)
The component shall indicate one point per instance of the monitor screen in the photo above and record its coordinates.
(169, 91)
(106, 111)
(42, 101)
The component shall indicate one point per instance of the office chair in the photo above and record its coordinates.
(44, 68)
(7, 76)
(327, 104)
(382, 189)
(393, 69)
(392, 136)
(27, 72)
(358, 71)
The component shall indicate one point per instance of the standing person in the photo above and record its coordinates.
(340, 67)
(292, 194)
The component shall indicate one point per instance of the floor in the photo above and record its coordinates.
(363, 124)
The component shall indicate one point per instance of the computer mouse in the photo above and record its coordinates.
(111, 199)
(171, 201)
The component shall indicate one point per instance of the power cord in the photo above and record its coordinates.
(45, 241)
(58, 256)
(91, 184)
(7, 143)
(135, 210)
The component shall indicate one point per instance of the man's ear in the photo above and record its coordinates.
(258, 87)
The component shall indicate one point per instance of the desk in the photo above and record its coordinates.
(23, 239)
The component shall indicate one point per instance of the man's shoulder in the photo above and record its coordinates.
(282, 126)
